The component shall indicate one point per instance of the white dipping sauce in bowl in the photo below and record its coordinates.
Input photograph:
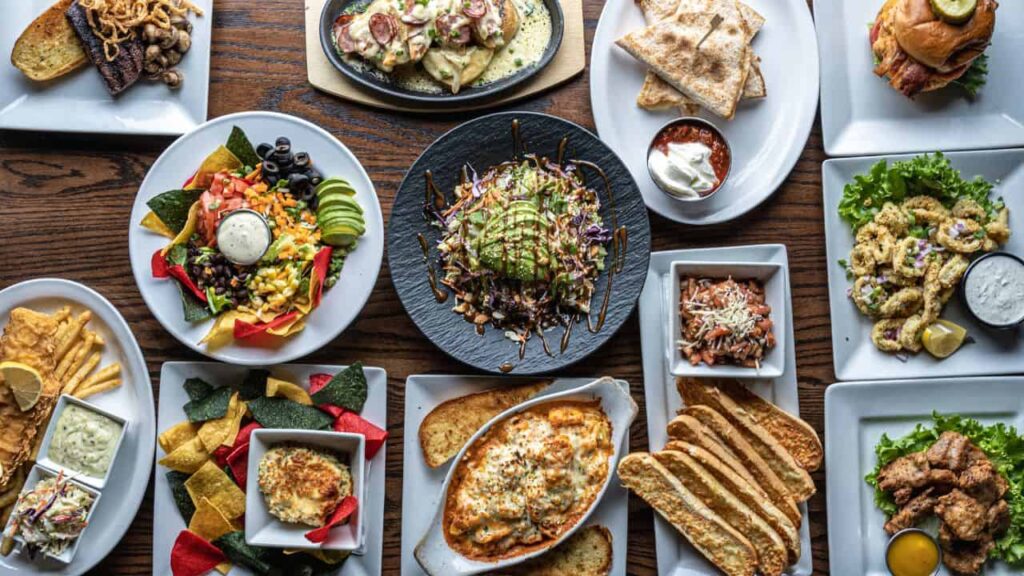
(994, 290)
(243, 236)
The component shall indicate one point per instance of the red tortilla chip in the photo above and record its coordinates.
(347, 507)
(220, 455)
(239, 462)
(243, 329)
(334, 411)
(161, 269)
(245, 433)
(321, 262)
(353, 423)
(193, 556)
(317, 382)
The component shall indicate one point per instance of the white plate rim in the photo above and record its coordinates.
(266, 356)
(144, 426)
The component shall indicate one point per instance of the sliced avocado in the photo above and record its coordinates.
(340, 200)
(345, 224)
(335, 185)
(514, 242)
(340, 237)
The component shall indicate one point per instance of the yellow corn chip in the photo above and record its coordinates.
(223, 330)
(209, 522)
(188, 457)
(224, 567)
(288, 390)
(177, 435)
(219, 159)
(294, 326)
(187, 231)
(215, 432)
(211, 482)
(153, 222)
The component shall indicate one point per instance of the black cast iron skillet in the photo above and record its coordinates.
(470, 95)
(483, 143)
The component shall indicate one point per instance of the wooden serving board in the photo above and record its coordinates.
(570, 60)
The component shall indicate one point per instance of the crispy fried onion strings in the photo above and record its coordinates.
(115, 21)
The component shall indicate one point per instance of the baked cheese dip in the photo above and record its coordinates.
(528, 480)
(303, 484)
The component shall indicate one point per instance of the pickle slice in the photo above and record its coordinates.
(954, 11)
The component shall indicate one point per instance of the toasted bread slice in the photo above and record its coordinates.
(766, 478)
(797, 436)
(745, 491)
(772, 557)
(711, 535)
(587, 553)
(686, 428)
(447, 428)
(49, 47)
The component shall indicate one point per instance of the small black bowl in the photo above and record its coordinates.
(471, 95)
(962, 292)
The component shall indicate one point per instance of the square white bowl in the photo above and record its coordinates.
(263, 529)
(39, 473)
(775, 278)
(44, 450)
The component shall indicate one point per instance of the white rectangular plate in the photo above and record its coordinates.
(675, 555)
(173, 397)
(421, 484)
(861, 114)
(79, 101)
(855, 357)
(856, 416)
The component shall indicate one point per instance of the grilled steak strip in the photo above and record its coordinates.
(124, 70)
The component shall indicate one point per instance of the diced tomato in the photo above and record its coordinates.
(226, 193)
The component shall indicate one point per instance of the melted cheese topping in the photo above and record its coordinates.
(528, 480)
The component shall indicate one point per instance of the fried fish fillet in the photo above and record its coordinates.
(28, 338)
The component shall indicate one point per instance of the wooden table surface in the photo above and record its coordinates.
(64, 212)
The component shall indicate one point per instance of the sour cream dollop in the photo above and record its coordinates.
(683, 169)
(243, 237)
(994, 290)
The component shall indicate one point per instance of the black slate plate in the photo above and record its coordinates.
(482, 143)
(467, 96)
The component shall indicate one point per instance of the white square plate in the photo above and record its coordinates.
(861, 114)
(173, 397)
(855, 357)
(263, 529)
(421, 484)
(79, 102)
(675, 556)
(44, 449)
(775, 279)
(856, 416)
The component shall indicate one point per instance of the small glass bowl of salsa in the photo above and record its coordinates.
(689, 159)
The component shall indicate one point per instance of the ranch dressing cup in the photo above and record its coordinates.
(992, 290)
(243, 236)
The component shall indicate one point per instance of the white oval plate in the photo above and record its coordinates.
(766, 136)
(132, 401)
(340, 305)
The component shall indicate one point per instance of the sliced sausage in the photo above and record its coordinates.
(345, 42)
(383, 27)
(453, 29)
(474, 8)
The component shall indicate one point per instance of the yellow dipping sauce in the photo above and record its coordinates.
(913, 554)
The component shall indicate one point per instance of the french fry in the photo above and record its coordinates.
(62, 314)
(75, 326)
(62, 368)
(91, 363)
(106, 373)
(97, 388)
(76, 363)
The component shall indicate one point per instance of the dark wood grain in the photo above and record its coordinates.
(64, 211)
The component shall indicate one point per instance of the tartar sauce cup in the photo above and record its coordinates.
(904, 533)
(692, 120)
(962, 292)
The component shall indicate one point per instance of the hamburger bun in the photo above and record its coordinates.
(940, 45)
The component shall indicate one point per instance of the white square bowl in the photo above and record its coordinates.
(775, 278)
(263, 529)
(37, 474)
(44, 450)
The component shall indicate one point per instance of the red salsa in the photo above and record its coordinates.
(681, 132)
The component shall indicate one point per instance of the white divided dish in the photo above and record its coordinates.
(855, 356)
(857, 414)
(423, 486)
(766, 136)
(775, 279)
(676, 557)
(38, 474)
(861, 114)
(340, 305)
(80, 102)
(364, 562)
(132, 401)
(45, 448)
(263, 529)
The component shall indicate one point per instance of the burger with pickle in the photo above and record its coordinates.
(925, 45)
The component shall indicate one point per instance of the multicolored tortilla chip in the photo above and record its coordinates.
(188, 457)
(288, 390)
(208, 522)
(187, 231)
(212, 483)
(193, 556)
(238, 461)
(153, 223)
(177, 435)
(222, 431)
(243, 329)
(355, 424)
(219, 159)
(223, 330)
(347, 507)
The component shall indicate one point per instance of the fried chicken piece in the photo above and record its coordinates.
(983, 482)
(911, 514)
(902, 496)
(964, 515)
(998, 517)
(950, 451)
(965, 558)
(912, 471)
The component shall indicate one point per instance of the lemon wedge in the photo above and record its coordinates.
(942, 338)
(25, 383)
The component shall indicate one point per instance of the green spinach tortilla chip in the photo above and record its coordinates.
(210, 406)
(197, 388)
(347, 389)
(254, 385)
(172, 207)
(285, 413)
(240, 145)
(176, 480)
